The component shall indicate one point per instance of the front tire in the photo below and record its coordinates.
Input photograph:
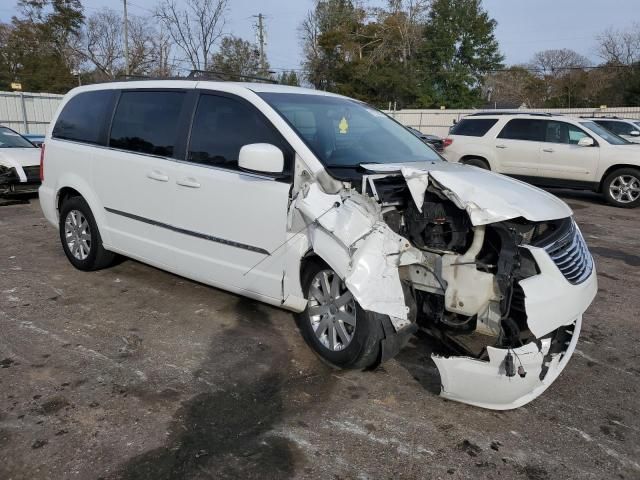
(80, 237)
(334, 325)
(621, 188)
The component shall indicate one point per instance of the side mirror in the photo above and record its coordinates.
(635, 133)
(261, 157)
(586, 142)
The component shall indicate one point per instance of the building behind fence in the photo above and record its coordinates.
(32, 112)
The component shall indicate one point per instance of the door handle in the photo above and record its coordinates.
(158, 175)
(188, 182)
(548, 150)
(501, 146)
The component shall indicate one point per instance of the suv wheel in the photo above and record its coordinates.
(478, 162)
(621, 188)
(334, 325)
(80, 237)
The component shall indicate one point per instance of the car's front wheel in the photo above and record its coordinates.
(334, 325)
(80, 237)
(621, 188)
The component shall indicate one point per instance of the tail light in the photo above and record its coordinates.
(42, 163)
(447, 142)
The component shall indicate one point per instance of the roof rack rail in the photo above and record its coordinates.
(489, 112)
(612, 117)
(222, 76)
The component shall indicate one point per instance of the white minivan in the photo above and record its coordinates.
(322, 205)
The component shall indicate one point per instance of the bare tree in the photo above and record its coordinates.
(620, 47)
(195, 29)
(557, 63)
(103, 41)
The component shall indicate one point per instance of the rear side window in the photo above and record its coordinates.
(222, 126)
(147, 122)
(524, 129)
(82, 118)
(476, 127)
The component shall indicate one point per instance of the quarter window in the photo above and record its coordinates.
(223, 125)
(147, 122)
(561, 132)
(477, 127)
(524, 129)
(83, 117)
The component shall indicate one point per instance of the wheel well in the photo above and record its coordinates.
(612, 169)
(65, 194)
(466, 158)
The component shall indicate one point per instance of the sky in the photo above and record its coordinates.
(524, 26)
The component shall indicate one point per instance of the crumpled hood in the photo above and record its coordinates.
(19, 157)
(487, 197)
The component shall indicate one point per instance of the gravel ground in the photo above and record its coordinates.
(134, 373)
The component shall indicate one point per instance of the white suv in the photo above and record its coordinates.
(550, 151)
(626, 128)
(322, 205)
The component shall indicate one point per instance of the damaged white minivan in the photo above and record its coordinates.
(324, 206)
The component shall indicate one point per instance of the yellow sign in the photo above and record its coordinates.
(16, 86)
(343, 126)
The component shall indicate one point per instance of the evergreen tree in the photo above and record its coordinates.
(459, 48)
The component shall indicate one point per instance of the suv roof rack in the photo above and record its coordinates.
(200, 75)
(222, 76)
(538, 114)
(611, 117)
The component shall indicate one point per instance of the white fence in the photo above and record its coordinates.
(28, 112)
(438, 122)
(32, 112)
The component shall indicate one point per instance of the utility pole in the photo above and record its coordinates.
(126, 40)
(261, 42)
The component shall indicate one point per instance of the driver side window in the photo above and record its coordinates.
(561, 132)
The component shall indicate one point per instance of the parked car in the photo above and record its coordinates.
(322, 205)
(623, 127)
(436, 142)
(19, 163)
(550, 151)
(35, 138)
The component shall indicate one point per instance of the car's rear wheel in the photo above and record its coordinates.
(621, 188)
(81, 240)
(478, 162)
(334, 325)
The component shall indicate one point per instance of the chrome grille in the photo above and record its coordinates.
(571, 255)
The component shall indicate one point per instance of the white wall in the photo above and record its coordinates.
(38, 108)
(438, 122)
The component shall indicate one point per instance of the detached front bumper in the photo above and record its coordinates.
(554, 310)
(22, 180)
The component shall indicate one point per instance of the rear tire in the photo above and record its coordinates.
(80, 237)
(334, 325)
(478, 162)
(621, 188)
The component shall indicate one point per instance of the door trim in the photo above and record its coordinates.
(203, 236)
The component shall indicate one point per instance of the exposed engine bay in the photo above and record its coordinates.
(467, 274)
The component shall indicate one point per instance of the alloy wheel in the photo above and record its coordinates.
(625, 188)
(77, 234)
(332, 310)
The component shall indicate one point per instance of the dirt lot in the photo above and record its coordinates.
(135, 373)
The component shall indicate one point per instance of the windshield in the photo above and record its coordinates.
(345, 133)
(11, 139)
(609, 137)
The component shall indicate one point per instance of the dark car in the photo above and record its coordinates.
(434, 141)
(36, 138)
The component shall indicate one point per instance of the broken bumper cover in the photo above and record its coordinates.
(485, 384)
(554, 310)
(27, 180)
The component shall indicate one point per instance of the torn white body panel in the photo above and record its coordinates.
(485, 384)
(487, 197)
(349, 235)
